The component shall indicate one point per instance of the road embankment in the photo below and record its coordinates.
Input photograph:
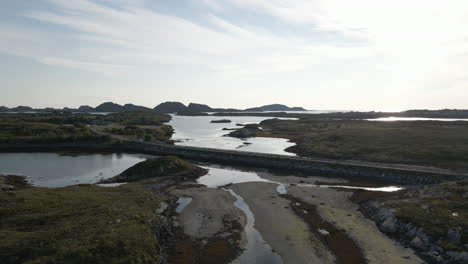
(396, 173)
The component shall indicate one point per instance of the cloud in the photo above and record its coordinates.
(377, 45)
(83, 65)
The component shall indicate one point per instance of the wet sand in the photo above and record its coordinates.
(284, 224)
(335, 207)
(280, 227)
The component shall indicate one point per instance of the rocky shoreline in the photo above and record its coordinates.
(413, 236)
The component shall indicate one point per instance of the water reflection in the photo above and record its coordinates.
(198, 131)
(54, 170)
(257, 250)
(182, 203)
(416, 119)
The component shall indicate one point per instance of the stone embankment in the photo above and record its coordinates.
(414, 236)
(396, 173)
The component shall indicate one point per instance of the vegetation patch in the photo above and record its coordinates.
(38, 132)
(68, 127)
(441, 210)
(158, 167)
(443, 144)
(79, 224)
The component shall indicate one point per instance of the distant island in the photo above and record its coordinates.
(166, 107)
(272, 110)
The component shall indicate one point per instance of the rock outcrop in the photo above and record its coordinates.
(415, 237)
(223, 121)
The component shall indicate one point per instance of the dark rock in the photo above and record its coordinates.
(243, 133)
(389, 225)
(190, 113)
(418, 243)
(170, 107)
(221, 121)
(192, 107)
(454, 235)
(458, 257)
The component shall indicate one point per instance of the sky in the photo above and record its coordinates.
(320, 54)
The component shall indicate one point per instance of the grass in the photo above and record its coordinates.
(443, 144)
(433, 209)
(79, 224)
(146, 133)
(38, 132)
(158, 167)
(66, 127)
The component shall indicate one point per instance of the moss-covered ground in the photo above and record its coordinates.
(79, 224)
(443, 144)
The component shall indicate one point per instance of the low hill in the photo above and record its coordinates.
(158, 167)
(170, 107)
(109, 107)
(193, 107)
(275, 107)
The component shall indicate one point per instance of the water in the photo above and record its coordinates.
(218, 177)
(197, 131)
(54, 170)
(372, 189)
(256, 250)
(182, 203)
(416, 119)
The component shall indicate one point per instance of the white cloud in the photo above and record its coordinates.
(84, 65)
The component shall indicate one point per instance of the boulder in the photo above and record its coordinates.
(418, 243)
(454, 235)
(389, 225)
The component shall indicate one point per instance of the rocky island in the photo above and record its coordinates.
(159, 167)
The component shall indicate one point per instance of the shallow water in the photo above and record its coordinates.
(416, 119)
(197, 131)
(257, 250)
(372, 189)
(182, 203)
(54, 170)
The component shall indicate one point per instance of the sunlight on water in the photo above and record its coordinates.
(199, 132)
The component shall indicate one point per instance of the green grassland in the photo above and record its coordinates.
(66, 127)
(79, 224)
(38, 132)
(443, 144)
